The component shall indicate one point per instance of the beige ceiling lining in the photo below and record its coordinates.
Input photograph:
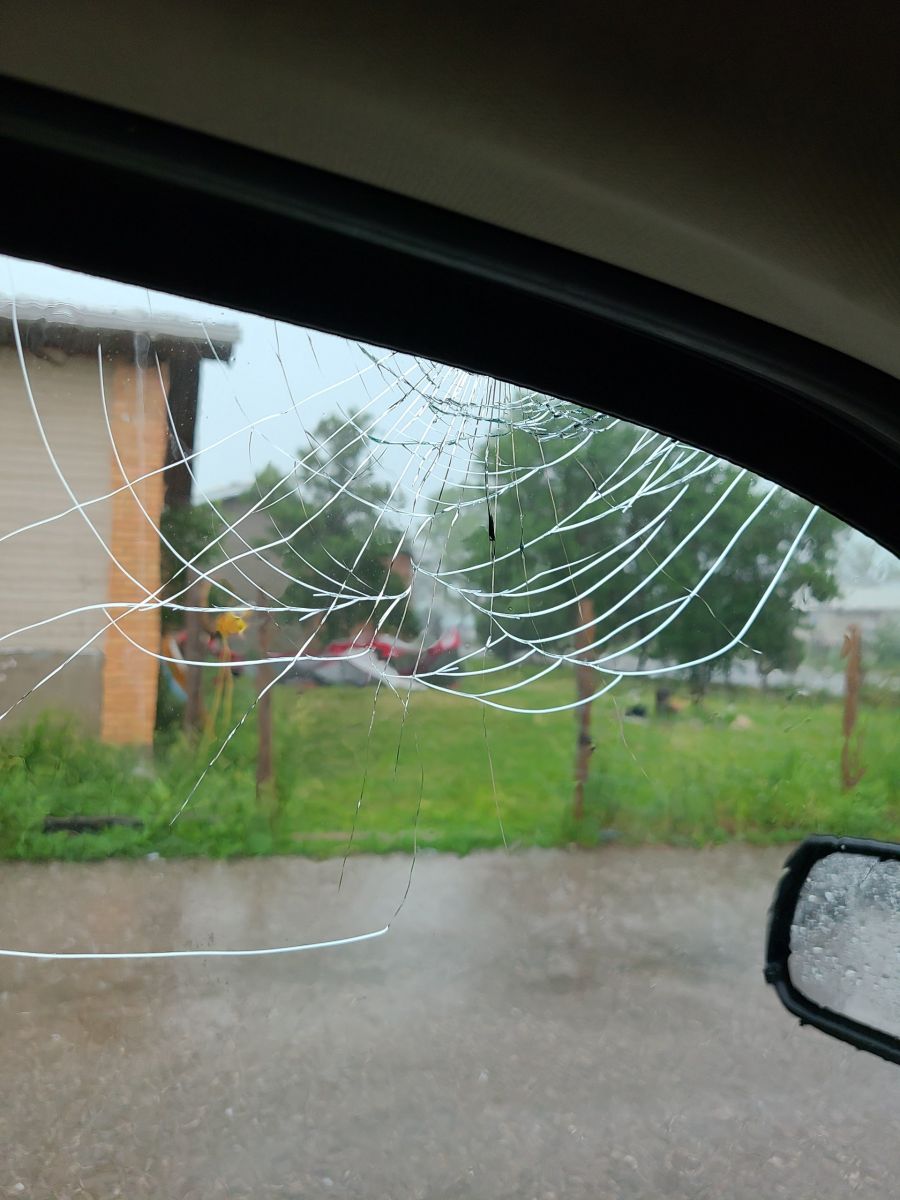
(756, 165)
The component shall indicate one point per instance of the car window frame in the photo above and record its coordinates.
(183, 212)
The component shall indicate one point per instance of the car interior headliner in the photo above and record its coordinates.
(746, 154)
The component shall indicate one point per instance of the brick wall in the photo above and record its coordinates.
(138, 419)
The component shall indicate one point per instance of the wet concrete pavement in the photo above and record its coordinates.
(545, 1024)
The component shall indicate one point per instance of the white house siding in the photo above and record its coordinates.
(62, 565)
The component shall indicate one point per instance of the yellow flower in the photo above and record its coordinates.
(229, 624)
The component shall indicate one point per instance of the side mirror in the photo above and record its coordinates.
(834, 941)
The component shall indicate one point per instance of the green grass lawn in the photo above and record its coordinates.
(452, 772)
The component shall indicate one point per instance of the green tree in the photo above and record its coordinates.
(533, 555)
(715, 617)
(602, 552)
(341, 540)
(886, 645)
(189, 529)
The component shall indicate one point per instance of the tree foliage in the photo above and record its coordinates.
(340, 539)
(605, 500)
(886, 645)
(189, 530)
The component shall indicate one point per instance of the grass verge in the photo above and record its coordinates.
(450, 776)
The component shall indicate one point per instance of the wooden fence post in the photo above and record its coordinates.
(194, 712)
(585, 680)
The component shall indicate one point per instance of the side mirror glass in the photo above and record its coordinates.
(834, 941)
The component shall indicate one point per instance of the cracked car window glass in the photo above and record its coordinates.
(395, 767)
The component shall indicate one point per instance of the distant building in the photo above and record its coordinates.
(108, 553)
(870, 608)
